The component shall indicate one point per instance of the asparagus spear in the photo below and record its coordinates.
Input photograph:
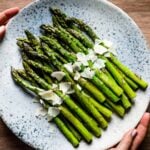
(58, 17)
(39, 66)
(77, 124)
(94, 80)
(126, 103)
(66, 131)
(56, 46)
(68, 134)
(118, 77)
(92, 89)
(117, 108)
(128, 72)
(83, 39)
(84, 27)
(85, 133)
(81, 95)
(72, 129)
(97, 94)
(132, 84)
(123, 68)
(23, 74)
(101, 75)
(84, 83)
(85, 118)
(65, 36)
(124, 99)
(33, 41)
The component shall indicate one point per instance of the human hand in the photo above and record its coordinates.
(4, 18)
(133, 138)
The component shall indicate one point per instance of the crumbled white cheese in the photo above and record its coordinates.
(58, 75)
(65, 87)
(77, 76)
(54, 86)
(99, 63)
(107, 54)
(81, 57)
(91, 55)
(69, 67)
(52, 112)
(98, 41)
(79, 87)
(77, 66)
(87, 73)
(113, 51)
(99, 49)
(40, 112)
(71, 91)
(50, 96)
(107, 43)
(42, 102)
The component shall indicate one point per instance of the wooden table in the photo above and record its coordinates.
(139, 10)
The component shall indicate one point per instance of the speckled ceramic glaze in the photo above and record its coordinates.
(17, 108)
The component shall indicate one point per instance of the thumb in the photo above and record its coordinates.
(2, 32)
(127, 140)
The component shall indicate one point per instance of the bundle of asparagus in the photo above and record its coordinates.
(76, 76)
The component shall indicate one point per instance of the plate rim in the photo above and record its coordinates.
(106, 2)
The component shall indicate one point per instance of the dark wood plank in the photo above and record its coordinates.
(139, 10)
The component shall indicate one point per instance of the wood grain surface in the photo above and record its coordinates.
(139, 10)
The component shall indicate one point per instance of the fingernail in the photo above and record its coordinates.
(134, 133)
(2, 28)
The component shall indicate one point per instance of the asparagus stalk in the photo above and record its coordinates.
(77, 124)
(39, 66)
(84, 27)
(132, 84)
(83, 39)
(23, 74)
(91, 124)
(103, 110)
(117, 108)
(104, 89)
(65, 37)
(81, 95)
(72, 129)
(123, 68)
(58, 18)
(56, 46)
(128, 72)
(33, 41)
(67, 132)
(93, 90)
(109, 82)
(85, 118)
(90, 87)
(125, 101)
(101, 75)
(118, 77)
(94, 80)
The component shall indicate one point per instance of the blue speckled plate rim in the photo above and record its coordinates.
(106, 2)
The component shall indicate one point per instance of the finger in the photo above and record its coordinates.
(142, 130)
(127, 140)
(7, 14)
(2, 31)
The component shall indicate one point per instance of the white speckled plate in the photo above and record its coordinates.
(17, 108)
